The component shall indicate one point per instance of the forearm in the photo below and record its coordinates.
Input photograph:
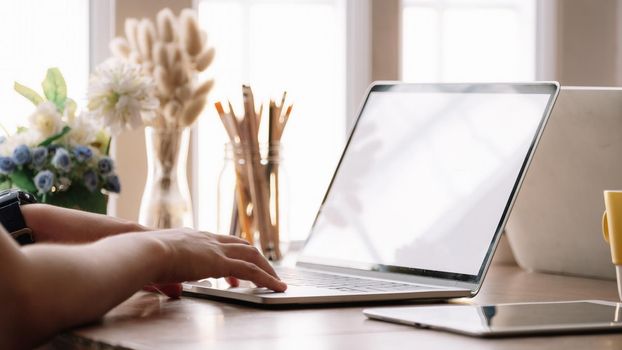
(45, 288)
(71, 285)
(55, 224)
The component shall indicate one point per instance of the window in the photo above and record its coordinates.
(37, 35)
(468, 40)
(277, 45)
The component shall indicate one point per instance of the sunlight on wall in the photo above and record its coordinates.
(41, 34)
(468, 40)
(276, 46)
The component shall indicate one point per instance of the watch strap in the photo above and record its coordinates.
(23, 236)
(11, 215)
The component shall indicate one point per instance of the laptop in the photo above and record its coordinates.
(419, 198)
(556, 223)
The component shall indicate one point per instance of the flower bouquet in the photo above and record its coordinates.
(61, 156)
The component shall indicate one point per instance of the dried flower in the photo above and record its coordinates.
(172, 50)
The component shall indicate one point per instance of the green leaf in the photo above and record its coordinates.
(108, 146)
(55, 88)
(55, 137)
(78, 197)
(24, 180)
(29, 93)
(5, 185)
(71, 105)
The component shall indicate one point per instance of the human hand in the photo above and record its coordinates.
(193, 255)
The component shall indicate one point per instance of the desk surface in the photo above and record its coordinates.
(149, 321)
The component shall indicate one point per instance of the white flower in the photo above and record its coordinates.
(27, 137)
(121, 95)
(46, 120)
(69, 114)
(84, 129)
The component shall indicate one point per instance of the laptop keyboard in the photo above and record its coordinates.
(299, 277)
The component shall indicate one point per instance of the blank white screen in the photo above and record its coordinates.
(426, 178)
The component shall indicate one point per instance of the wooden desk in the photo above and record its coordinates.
(148, 321)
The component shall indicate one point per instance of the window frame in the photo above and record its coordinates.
(441, 6)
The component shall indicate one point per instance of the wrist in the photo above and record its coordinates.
(157, 255)
(148, 254)
(34, 216)
(50, 223)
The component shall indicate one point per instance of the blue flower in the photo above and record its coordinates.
(61, 160)
(105, 165)
(39, 156)
(90, 180)
(44, 181)
(21, 155)
(82, 153)
(112, 183)
(7, 165)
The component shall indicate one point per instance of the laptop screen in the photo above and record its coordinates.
(428, 177)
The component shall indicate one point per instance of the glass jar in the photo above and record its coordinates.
(236, 215)
(166, 199)
(228, 197)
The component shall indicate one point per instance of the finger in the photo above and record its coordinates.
(251, 272)
(233, 282)
(230, 239)
(249, 254)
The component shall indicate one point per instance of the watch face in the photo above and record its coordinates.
(8, 196)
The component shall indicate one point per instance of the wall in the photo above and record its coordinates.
(588, 42)
(386, 39)
(583, 48)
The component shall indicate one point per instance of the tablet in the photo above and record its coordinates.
(584, 316)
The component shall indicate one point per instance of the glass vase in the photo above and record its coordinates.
(166, 201)
(236, 214)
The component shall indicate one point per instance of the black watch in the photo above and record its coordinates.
(11, 214)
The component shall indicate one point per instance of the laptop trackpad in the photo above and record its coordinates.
(247, 287)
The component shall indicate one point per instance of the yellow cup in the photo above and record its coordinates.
(612, 231)
(612, 224)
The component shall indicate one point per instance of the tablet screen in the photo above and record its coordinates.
(509, 318)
